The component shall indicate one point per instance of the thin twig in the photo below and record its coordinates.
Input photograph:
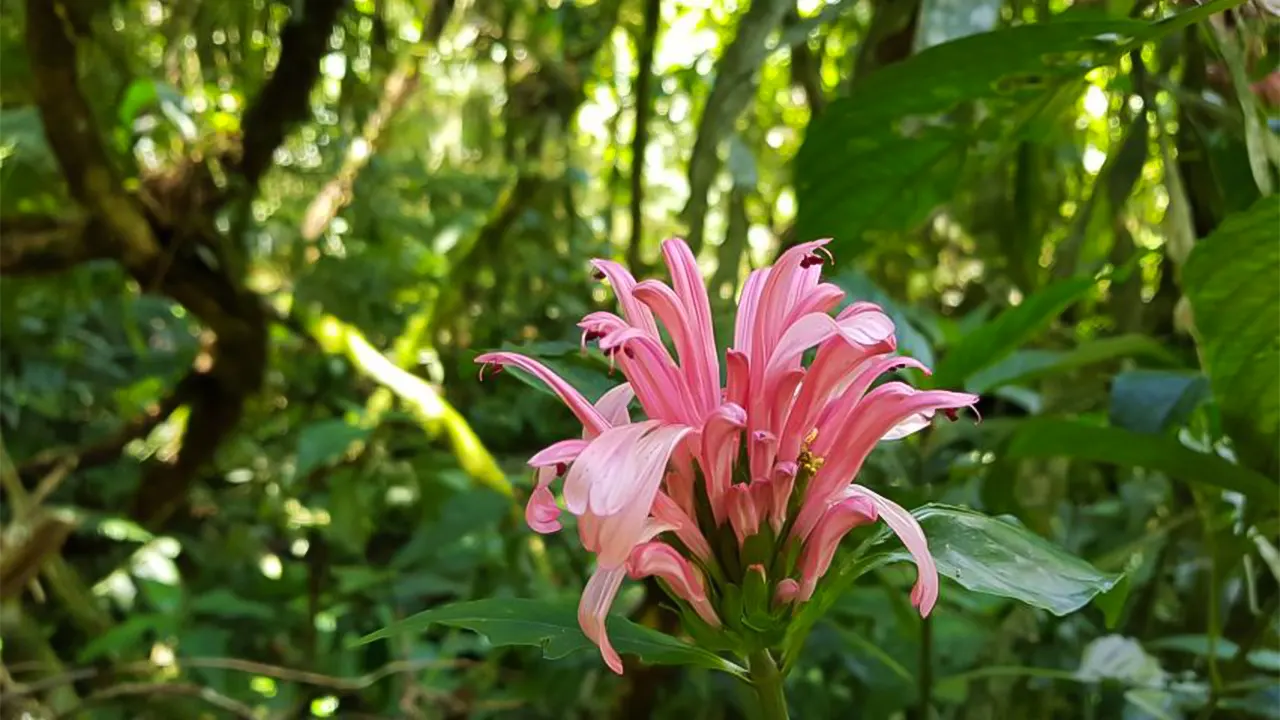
(209, 695)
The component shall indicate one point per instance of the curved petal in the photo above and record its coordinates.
(623, 283)
(820, 547)
(925, 593)
(880, 410)
(583, 410)
(633, 476)
(839, 411)
(720, 438)
(748, 306)
(737, 378)
(565, 451)
(600, 461)
(657, 381)
(613, 404)
(686, 278)
(593, 611)
(541, 514)
(666, 511)
(695, 361)
(686, 583)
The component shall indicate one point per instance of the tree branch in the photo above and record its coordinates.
(285, 98)
(640, 141)
(72, 134)
(42, 244)
(734, 87)
(108, 448)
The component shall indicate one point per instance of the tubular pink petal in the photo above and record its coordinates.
(665, 510)
(748, 306)
(840, 410)
(634, 475)
(720, 438)
(658, 383)
(880, 410)
(925, 593)
(820, 547)
(599, 461)
(541, 513)
(686, 278)
(785, 393)
(761, 446)
(593, 611)
(583, 410)
(694, 362)
(786, 282)
(613, 404)
(623, 284)
(737, 378)
(662, 561)
(783, 480)
(565, 451)
(787, 591)
(747, 504)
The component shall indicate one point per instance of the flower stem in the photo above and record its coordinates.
(768, 684)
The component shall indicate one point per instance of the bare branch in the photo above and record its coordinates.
(72, 133)
(285, 98)
(191, 690)
(40, 244)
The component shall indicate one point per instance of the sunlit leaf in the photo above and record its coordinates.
(1232, 282)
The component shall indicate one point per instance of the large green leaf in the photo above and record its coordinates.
(1232, 278)
(1025, 365)
(1052, 437)
(553, 626)
(886, 155)
(1001, 335)
(324, 441)
(985, 554)
(1152, 401)
(998, 556)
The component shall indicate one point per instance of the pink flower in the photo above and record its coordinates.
(775, 451)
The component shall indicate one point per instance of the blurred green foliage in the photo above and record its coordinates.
(250, 249)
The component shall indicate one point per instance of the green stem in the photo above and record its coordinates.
(768, 684)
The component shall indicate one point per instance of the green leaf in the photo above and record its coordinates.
(1231, 280)
(553, 626)
(1152, 401)
(997, 556)
(1051, 437)
(1024, 365)
(127, 635)
(984, 554)
(1007, 331)
(1224, 648)
(320, 443)
(884, 156)
(223, 603)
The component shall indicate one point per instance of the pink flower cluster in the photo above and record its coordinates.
(773, 451)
